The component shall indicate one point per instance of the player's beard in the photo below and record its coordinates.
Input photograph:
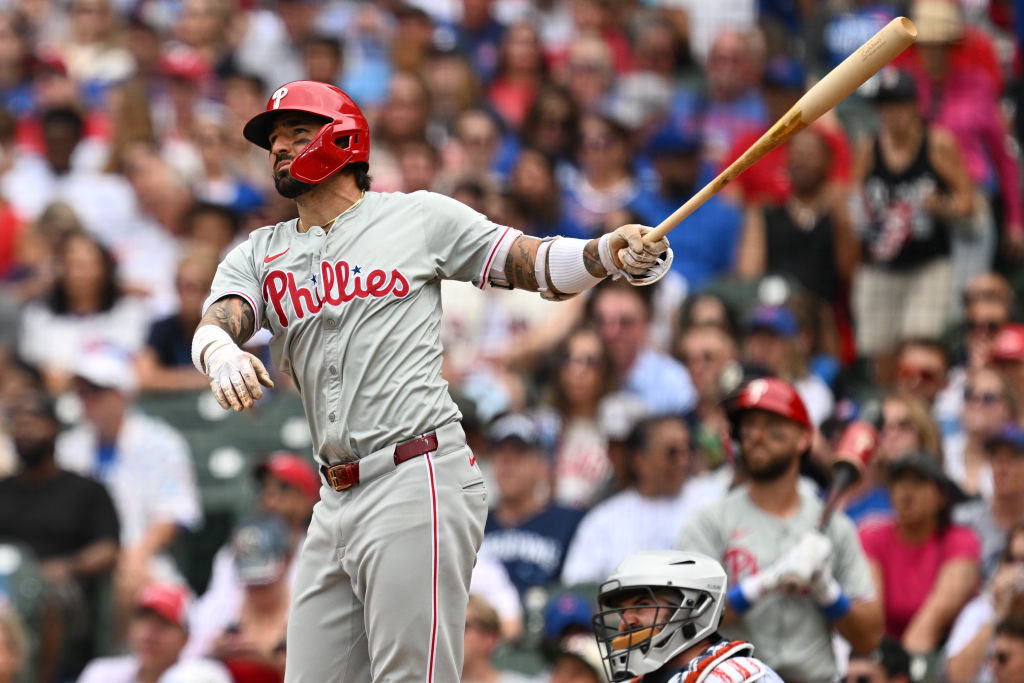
(766, 470)
(290, 187)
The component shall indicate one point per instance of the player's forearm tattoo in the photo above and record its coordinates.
(519, 266)
(234, 315)
(592, 260)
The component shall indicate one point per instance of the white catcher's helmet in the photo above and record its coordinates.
(690, 589)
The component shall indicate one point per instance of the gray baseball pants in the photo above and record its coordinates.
(383, 579)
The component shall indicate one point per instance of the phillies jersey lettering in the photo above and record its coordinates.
(355, 312)
(339, 283)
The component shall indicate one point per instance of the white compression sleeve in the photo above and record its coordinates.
(565, 265)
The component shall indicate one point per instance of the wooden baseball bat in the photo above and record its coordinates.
(869, 58)
(854, 452)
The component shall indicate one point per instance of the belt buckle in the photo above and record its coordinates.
(343, 476)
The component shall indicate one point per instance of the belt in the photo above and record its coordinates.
(346, 475)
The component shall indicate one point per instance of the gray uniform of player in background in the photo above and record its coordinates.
(354, 307)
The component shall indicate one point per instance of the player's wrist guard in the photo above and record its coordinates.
(560, 269)
(652, 274)
(830, 597)
(206, 339)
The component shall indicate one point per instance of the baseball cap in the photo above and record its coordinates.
(785, 72)
(1008, 344)
(669, 140)
(514, 427)
(776, 319)
(107, 367)
(1010, 435)
(585, 649)
(261, 546)
(895, 85)
(929, 466)
(185, 63)
(293, 470)
(568, 609)
(171, 601)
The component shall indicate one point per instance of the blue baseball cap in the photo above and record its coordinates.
(776, 319)
(669, 140)
(1010, 435)
(785, 72)
(568, 609)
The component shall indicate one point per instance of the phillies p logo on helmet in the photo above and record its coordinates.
(278, 96)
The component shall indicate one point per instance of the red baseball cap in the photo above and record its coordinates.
(292, 469)
(170, 600)
(1009, 344)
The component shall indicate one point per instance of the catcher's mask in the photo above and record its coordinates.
(655, 605)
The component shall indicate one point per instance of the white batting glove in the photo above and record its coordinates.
(808, 557)
(235, 375)
(624, 253)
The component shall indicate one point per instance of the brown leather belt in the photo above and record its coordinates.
(346, 475)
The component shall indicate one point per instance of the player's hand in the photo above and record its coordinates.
(631, 253)
(624, 253)
(235, 377)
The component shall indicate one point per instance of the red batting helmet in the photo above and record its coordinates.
(772, 395)
(344, 138)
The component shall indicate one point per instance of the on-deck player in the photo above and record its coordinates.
(350, 290)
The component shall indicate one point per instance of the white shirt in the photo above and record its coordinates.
(974, 616)
(125, 669)
(629, 522)
(150, 480)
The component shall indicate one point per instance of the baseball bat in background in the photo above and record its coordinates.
(838, 83)
(853, 456)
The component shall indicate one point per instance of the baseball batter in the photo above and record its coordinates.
(350, 291)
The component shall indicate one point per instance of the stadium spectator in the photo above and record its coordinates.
(709, 352)
(622, 314)
(989, 403)
(913, 184)
(165, 362)
(84, 308)
(925, 568)
(888, 664)
(156, 636)
(525, 530)
(143, 462)
(521, 70)
(254, 641)
(763, 532)
(578, 660)
(706, 249)
(535, 186)
(605, 185)
(988, 306)
(1007, 354)
(582, 470)
(650, 513)
(969, 647)
(992, 519)
(906, 427)
(1008, 652)
(482, 637)
(13, 646)
(78, 548)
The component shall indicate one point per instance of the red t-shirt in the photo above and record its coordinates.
(909, 571)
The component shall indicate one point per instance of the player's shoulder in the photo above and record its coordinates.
(733, 670)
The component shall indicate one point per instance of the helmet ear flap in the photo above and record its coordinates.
(327, 153)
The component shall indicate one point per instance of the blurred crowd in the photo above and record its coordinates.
(873, 262)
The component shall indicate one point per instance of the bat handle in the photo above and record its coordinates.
(846, 475)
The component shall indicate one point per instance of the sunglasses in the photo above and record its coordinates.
(587, 360)
(987, 398)
(919, 374)
(904, 425)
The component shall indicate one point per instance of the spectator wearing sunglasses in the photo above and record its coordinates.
(922, 369)
(969, 647)
(888, 664)
(988, 305)
(989, 403)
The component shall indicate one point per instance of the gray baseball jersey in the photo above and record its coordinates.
(355, 312)
(791, 633)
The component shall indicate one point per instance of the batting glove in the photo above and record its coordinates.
(828, 593)
(235, 375)
(624, 253)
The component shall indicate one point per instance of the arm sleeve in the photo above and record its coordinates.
(849, 563)
(237, 275)
(462, 243)
(962, 544)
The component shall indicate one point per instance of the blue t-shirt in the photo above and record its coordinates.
(872, 506)
(704, 245)
(532, 552)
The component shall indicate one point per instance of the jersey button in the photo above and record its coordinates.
(331, 323)
(333, 370)
(331, 417)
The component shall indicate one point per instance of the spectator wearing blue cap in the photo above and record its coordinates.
(706, 242)
(992, 518)
(775, 343)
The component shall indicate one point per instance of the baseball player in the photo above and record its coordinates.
(791, 583)
(657, 622)
(350, 291)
